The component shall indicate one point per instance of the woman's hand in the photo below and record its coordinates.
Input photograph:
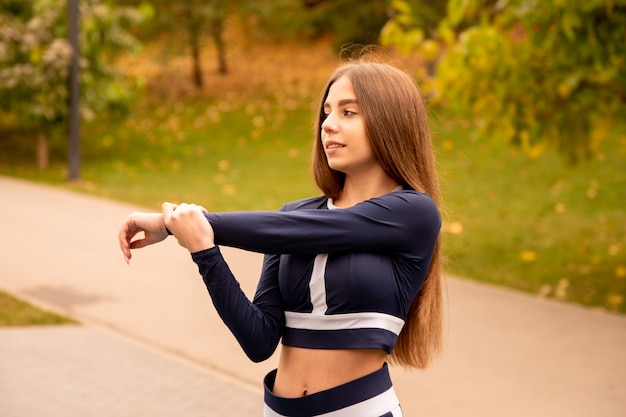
(151, 224)
(189, 226)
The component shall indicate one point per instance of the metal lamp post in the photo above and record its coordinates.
(74, 104)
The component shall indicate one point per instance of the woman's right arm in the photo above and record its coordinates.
(256, 325)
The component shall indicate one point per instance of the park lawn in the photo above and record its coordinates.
(15, 312)
(535, 224)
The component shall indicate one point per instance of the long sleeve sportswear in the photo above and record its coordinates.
(331, 279)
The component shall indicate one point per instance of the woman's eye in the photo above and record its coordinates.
(348, 113)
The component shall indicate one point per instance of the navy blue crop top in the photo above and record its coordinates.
(331, 279)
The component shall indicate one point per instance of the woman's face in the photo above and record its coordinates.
(345, 143)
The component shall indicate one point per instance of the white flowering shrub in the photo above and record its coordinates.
(35, 59)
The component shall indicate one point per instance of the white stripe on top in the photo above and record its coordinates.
(317, 285)
(342, 321)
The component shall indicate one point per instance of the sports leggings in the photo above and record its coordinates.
(370, 396)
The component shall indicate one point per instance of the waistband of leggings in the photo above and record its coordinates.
(352, 394)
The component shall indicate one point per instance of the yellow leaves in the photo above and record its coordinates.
(560, 292)
(620, 271)
(592, 191)
(35, 55)
(545, 290)
(600, 130)
(565, 88)
(400, 30)
(614, 301)
(446, 32)
(537, 150)
(173, 123)
(89, 186)
(430, 49)
(557, 187)
(219, 179)
(229, 189)
(432, 87)
(528, 256)
(223, 165)
(559, 208)
(613, 249)
(147, 164)
(480, 105)
(226, 189)
(199, 122)
(454, 228)
(534, 150)
(213, 115)
(393, 34)
(560, 289)
(447, 145)
(224, 106)
(258, 121)
(401, 7)
(107, 141)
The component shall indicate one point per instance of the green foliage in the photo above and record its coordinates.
(533, 72)
(15, 312)
(352, 21)
(347, 21)
(35, 56)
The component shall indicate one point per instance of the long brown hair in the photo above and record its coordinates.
(397, 126)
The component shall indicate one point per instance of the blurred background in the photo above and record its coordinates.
(212, 102)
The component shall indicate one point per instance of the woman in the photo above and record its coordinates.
(348, 278)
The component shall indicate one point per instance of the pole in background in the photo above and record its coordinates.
(74, 81)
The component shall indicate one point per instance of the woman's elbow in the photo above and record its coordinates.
(257, 354)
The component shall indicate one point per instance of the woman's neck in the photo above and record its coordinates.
(355, 191)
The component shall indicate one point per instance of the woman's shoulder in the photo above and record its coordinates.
(306, 203)
(406, 203)
(409, 196)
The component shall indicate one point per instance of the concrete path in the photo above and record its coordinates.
(60, 371)
(152, 344)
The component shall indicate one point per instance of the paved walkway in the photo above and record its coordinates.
(60, 371)
(151, 343)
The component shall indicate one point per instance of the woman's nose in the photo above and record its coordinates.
(329, 125)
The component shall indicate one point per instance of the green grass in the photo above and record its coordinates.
(15, 312)
(224, 156)
(538, 225)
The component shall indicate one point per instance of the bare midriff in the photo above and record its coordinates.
(307, 371)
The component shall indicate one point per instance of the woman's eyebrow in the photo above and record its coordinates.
(342, 102)
(347, 101)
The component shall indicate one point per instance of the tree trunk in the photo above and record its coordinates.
(194, 22)
(42, 151)
(217, 31)
(198, 80)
